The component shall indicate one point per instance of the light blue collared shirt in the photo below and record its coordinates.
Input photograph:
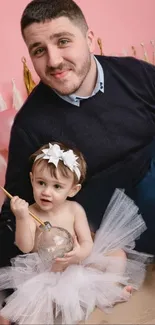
(75, 100)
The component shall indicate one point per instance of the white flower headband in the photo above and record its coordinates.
(53, 154)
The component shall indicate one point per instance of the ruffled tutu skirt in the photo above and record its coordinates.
(42, 296)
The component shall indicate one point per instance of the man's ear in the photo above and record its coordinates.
(74, 190)
(91, 40)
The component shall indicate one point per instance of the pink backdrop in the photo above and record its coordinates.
(119, 23)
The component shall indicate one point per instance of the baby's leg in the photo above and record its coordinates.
(118, 265)
(127, 291)
(4, 321)
(112, 265)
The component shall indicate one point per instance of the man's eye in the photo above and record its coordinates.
(38, 52)
(57, 186)
(63, 42)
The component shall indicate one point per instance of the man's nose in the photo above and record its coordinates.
(54, 57)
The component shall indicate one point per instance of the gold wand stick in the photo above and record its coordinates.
(31, 214)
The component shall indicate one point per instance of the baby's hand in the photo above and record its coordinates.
(19, 207)
(72, 257)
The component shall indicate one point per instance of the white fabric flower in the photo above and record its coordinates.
(70, 160)
(53, 154)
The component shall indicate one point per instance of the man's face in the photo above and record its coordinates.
(61, 53)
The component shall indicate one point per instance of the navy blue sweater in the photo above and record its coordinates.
(113, 130)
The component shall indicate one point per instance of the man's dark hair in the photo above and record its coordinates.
(39, 11)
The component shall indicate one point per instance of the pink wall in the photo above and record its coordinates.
(120, 24)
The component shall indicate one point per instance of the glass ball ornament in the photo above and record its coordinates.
(53, 242)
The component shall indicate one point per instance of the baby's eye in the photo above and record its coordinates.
(41, 183)
(57, 186)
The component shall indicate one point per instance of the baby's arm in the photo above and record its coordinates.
(83, 242)
(82, 231)
(25, 225)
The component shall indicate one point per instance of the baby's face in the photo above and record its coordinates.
(50, 192)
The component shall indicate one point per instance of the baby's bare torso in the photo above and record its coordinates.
(61, 217)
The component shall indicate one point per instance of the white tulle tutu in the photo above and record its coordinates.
(42, 297)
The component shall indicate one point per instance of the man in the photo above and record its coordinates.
(104, 106)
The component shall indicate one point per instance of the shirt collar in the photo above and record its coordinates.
(75, 100)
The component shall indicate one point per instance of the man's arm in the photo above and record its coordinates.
(17, 174)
